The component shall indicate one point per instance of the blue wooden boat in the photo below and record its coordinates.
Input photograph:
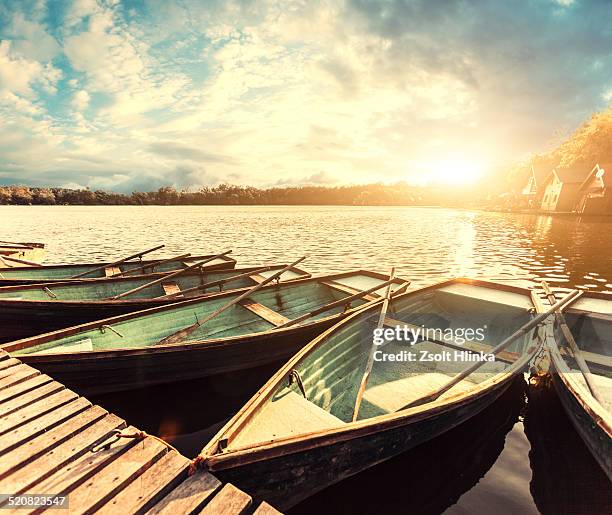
(590, 322)
(301, 433)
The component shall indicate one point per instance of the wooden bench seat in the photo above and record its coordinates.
(505, 356)
(171, 288)
(264, 312)
(109, 271)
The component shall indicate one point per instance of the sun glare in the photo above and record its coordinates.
(453, 171)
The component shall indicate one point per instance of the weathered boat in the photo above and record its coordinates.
(21, 253)
(588, 405)
(305, 430)
(67, 272)
(27, 310)
(127, 351)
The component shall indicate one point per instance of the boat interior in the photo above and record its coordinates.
(332, 371)
(105, 289)
(590, 321)
(58, 272)
(264, 310)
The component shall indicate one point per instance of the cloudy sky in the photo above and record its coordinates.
(132, 95)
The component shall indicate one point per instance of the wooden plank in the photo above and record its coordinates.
(33, 449)
(8, 363)
(109, 271)
(20, 367)
(189, 496)
(149, 487)
(265, 509)
(9, 394)
(264, 312)
(29, 475)
(171, 288)
(229, 500)
(73, 474)
(30, 397)
(39, 425)
(258, 278)
(23, 374)
(348, 289)
(36, 409)
(110, 480)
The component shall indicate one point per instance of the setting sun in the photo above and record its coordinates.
(453, 171)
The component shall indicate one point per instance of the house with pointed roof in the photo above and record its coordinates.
(595, 195)
(561, 189)
(531, 188)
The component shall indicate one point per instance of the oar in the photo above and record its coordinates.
(370, 361)
(8, 265)
(139, 254)
(216, 283)
(569, 337)
(169, 276)
(151, 265)
(346, 300)
(524, 329)
(181, 334)
(14, 243)
(18, 260)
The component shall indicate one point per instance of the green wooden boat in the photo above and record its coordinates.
(125, 352)
(590, 322)
(21, 253)
(297, 436)
(27, 310)
(51, 273)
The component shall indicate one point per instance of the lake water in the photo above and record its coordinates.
(510, 459)
(425, 244)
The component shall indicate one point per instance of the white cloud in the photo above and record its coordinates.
(31, 40)
(80, 101)
(18, 74)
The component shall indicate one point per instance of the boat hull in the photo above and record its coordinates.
(102, 372)
(285, 480)
(596, 439)
(26, 319)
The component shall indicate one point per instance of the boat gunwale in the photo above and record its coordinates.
(292, 444)
(596, 411)
(33, 358)
(111, 302)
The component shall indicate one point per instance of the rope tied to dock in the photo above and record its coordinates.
(118, 434)
(199, 462)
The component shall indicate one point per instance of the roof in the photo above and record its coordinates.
(606, 177)
(576, 174)
(539, 172)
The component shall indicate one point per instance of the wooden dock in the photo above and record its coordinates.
(53, 441)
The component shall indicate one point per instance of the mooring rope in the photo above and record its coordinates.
(118, 434)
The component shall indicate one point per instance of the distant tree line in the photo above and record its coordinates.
(400, 194)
